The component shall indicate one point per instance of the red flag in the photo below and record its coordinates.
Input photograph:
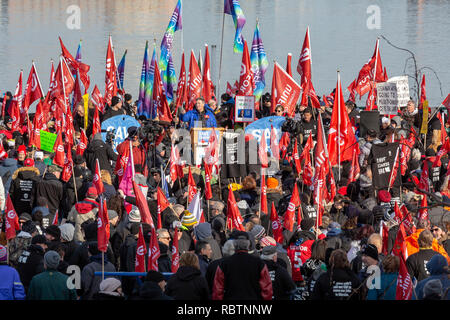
(284, 143)
(304, 62)
(62, 74)
(371, 71)
(354, 170)
(340, 136)
(195, 82)
(332, 183)
(307, 174)
(16, 106)
(398, 214)
(276, 225)
(423, 213)
(211, 154)
(176, 170)
(78, 90)
(103, 227)
(33, 89)
(38, 124)
(111, 73)
(399, 248)
(59, 151)
(192, 186)
(404, 283)
(141, 251)
(285, 91)
(319, 190)
(308, 147)
(394, 172)
(181, 88)
(97, 180)
(163, 204)
(289, 64)
(444, 135)
(309, 91)
(55, 218)
(424, 183)
(229, 89)
(68, 166)
(246, 80)
(207, 82)
(371, 98)
(142, 204)
(97, 99)
(423, 92)
(11, 220)
(52, 84)
(386, 78)
(175, 252)
(75, 65)
(208, 191)
(3, 153)
(274, 143)
(234, 218)
(385, 237)
(82, 145)
(408, 223)
(96, 126)
(446, 103)
(298, 166)
(445, 148)
(159, 98)
(288, 219)
(320, 157)
(153, 252)
(264, 208)
(262, 151)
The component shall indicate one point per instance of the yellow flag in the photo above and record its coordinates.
(86, 114)
(424, 128)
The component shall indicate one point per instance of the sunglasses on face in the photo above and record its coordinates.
(435, 229)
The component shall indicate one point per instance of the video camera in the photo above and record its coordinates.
(292, 127)
(149, 130)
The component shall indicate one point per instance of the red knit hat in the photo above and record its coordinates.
(22, 148)
(28, 162)
(92, 193)
(384, 196)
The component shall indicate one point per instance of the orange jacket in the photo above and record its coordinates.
(412, 246)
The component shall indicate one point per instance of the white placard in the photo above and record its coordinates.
(402, 90)
(244, 109)
(387, 98)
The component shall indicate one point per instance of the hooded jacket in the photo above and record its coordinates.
(97, 149)
(51, 188)
(187, 284)
(436, 266)
(282, 283)
(82, 211)
(30, 263)
(90, 283)
(193, 115)
(412, 245)
(22, 190)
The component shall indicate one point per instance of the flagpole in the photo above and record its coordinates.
(339, 126)
(74, 182)
(221, 50)
(103, 266)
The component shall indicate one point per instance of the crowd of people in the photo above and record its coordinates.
(327, 261)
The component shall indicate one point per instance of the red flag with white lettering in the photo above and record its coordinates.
(423, 212)
(262, 151)
(208, 191)
(404, 283)
(153, 251)
(175, 252)
(97, 181)
(141, 251)
(366, 74)
(296, 157)
(97, 99)
(159, 98)
(284, 143)
(103, 227)
(82, 145)
(75, 65)
(192, 186)
(304, 62)
(11, 219)
(399, 248)
(15, 107)
(96, 126)
(62, 74)
(288, 218)
(289, 64)
(246, 81)
(195, 82)
(285, 91)
(141, 203)
(162, 204)
(263, 197)
(68, 165)
(229, 89)
(59, 151)
(181, 87)
(208, 86)
(111, 73)
(176, 170)
(276, 225)
(424, 181)
(33, 90)
(234, 218)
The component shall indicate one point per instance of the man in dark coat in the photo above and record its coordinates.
(97, 149)
(202, 232)
(23, 186)
(203, 252)
(128, 257)
(51, 187)
(31, 261)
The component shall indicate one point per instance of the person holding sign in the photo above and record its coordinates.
(202, 113)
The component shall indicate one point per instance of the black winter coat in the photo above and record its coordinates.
(187, 284)
(30, 263)
(97, 149)
(282, 283)
(23, 188)
(150, 291)
(80, 255)
(340, 287)
(50, 188)
(416, 263)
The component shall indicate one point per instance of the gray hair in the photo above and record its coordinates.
(178, 208)
(268, 257)
(241, 244)
(228, 248)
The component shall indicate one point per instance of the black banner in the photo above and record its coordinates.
(381, 160)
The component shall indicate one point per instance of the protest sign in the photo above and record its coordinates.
(402, 90)
(47, 140)
(244, 109)
(392, 95)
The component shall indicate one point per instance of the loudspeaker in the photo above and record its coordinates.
(369, 120)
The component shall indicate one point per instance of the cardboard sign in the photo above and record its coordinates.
(244, 109)
(392, 95)
(402, 90)
(424, 128)
(48, 140)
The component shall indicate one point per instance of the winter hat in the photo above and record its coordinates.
(385, 120)
(188, 219)
(218, 223)
(109, 285)
(114, 100)
(93, 248)
(112, 214)
(67, 231)
(202, 231)
(22, 148)
(433, 288)
(334, 229)
(268, 250)
(25, 217)
(272, 183)
(307, 224)
(92, 193)
(52, 259)
(39, 155)
(154, 276)
(384, 196)
(257, 232)
(267, 241)
(39, 239)
(3, 254)
(78, 159)
(371, 251)
(53, 231)
(44, 210)
(134, 215)
(29, 227)
(28, 162)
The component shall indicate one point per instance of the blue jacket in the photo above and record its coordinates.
(388, 283)
(8, 165)
(11, 288)
(436, 268)
(193, 115)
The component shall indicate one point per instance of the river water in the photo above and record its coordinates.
(340, 37)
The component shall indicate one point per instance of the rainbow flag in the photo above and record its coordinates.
(149, 87)
(233, 8)
(121, 71)
(142, 83)
(259, 63)
(169, 79)
(166, 43)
